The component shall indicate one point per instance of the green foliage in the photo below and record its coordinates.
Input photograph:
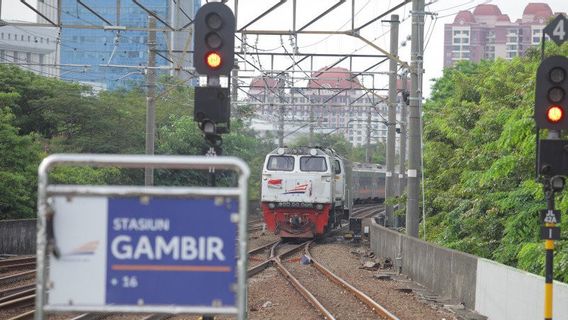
(38, 113)
(479, 163)
(182, 136)
(19, 158)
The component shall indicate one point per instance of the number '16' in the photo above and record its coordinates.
(129, 282)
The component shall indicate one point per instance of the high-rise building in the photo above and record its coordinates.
(104, 49)
(32, 48)
(333, 102)
(487, 33)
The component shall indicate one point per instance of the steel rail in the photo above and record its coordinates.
(17, 277)
(303, 291)
(10, 291)
(9, 262)
(89, 316)
(270, 261)
(16, 266)
(17, 295)
(29, 298)
(25, 315)
(156, 317)
(263, 247)
(372, 304)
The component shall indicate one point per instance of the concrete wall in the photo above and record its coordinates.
(504, 292)
(449, 273)
(492, 289)
(18, 236)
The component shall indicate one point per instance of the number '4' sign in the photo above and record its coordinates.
(557, 29)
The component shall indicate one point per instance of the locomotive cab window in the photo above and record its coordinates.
(280, 163)
(337, 168)
(313, 164)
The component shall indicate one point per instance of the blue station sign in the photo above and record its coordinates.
(168, 251)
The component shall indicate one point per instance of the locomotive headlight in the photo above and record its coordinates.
(272, 205)
(319, 206)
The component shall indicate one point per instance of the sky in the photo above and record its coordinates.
(340, 19)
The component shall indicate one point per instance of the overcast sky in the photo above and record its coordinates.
(339, 19)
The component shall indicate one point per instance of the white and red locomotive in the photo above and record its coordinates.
(303, 191)
(307, 191)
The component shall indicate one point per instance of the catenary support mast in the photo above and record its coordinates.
(391, 120)
(414, 134)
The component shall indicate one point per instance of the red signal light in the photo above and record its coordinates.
(213, 60)
(554, 114)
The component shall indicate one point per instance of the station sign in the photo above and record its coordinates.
(144, 251)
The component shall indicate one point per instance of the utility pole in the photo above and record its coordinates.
(414, 134)
(402, 149)
(368, 154)
(234, 87)
(391, 121)
(311, 136)
(150, 98)
(281, 111)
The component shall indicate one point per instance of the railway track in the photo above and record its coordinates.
(17, 263)
(271, 258)
(4, 280)
(314, 288)
(315, 296)
(367, 211)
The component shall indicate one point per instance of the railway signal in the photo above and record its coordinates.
(551, 100)
(551, 105)
(214, 40)
(214, 49)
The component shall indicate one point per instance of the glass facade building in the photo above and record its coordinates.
(101, 49)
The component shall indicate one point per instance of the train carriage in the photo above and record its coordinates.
(368, 183)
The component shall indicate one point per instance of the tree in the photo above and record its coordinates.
(19, 158)
(481, 195)
(182, 136)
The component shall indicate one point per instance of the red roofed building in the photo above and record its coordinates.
(333, 100)
(487, 33)
(337, 78)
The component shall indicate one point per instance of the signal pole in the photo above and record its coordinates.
(150, 98)
(414, 134)
(391, 121)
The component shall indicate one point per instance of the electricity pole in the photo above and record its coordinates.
(281, 111)
(402, 149)
(414, 134)
(235, 87)
(150, 98)
(391, 120)
(368, 153)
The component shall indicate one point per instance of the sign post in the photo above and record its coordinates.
(144, 249)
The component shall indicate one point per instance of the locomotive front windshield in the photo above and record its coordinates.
(313, 164)
(280, 163)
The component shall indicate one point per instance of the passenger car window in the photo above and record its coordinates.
(280, 163)
(313, 164)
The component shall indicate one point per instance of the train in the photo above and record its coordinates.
(306, 191)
